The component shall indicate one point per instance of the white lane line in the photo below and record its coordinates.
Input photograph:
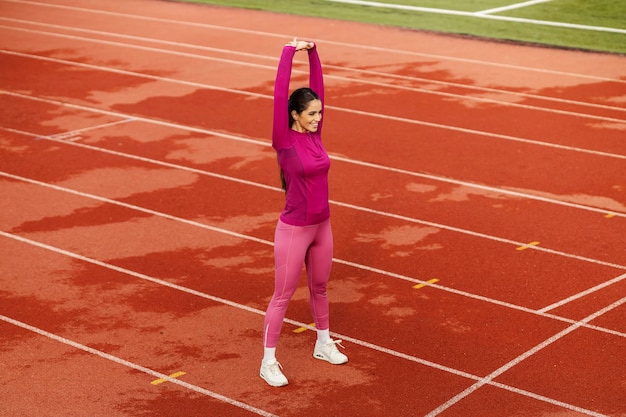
(380, 5)
(475, 62)
(267, 144)
(333, 202)
(480, 15)
(345, 110)
(137, 367)
(482, 89)
(345, 44)
(358, 208)
(479, 235)
(464, 97)
(269, 243)
(348, 69)
(346, 205)
(186, 45)
(138, 47)
(512, 7)
(359, 342)
(524, 356)
(554, 24)
(74, 135)
(583, 293)
(138, 208)
(148, 160)
(481, 133)
(139, 74)
(478, 186)
(207, 173)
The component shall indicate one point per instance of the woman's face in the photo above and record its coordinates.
(308, 120)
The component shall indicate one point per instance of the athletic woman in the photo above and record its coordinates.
(303, 233)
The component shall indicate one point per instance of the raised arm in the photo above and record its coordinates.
(316, 79)
(280, 130)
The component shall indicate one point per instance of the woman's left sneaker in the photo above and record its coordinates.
(329, 352)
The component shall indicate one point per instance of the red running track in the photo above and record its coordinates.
(478, 206)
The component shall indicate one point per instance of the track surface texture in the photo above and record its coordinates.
(478, 198)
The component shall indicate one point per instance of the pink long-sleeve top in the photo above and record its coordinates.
(301, 156)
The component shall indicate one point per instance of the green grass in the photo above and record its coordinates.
(598, 13)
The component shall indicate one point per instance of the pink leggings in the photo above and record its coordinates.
(293, 246)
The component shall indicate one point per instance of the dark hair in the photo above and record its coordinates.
(299, 101)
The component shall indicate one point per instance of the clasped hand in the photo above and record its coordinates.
(300, 45)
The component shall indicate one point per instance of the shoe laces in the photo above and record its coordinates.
(333, 344)
(274, 368)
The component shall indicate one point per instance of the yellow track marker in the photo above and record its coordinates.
(430, 281)
(162, 380)
(303, 329)
(609, 215)
(528, 245)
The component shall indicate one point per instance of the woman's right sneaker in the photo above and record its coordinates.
(272, 374)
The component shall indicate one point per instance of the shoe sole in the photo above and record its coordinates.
(324, 358)
(272, 384)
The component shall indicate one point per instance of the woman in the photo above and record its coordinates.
(303, 233)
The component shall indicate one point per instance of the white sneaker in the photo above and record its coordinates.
(329, 352)
(272, 374)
